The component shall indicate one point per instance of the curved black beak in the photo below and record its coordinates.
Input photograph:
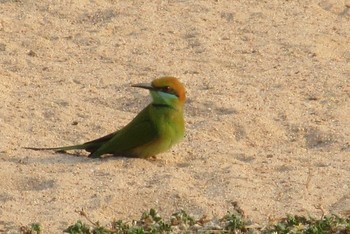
(144, 86)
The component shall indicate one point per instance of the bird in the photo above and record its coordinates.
(158, 127)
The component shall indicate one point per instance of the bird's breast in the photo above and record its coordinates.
(171, 125)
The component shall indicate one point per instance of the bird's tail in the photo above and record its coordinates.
(90, 146)
(63, 148)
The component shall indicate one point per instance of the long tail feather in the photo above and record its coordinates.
(64, 148)
(90, 146)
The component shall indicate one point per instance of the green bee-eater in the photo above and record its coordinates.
(154, 130)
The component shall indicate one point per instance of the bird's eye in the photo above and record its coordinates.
(168, 89)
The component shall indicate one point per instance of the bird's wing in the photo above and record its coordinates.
(139, 131)
(93, 145)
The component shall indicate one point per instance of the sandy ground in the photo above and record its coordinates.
(267, 115)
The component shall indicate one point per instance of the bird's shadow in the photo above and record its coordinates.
(62, 158)
(68, 159)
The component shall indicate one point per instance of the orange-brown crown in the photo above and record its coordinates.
(172, 85)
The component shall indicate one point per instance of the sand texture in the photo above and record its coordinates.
(267, 111)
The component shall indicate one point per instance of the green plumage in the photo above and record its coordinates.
(154, 130)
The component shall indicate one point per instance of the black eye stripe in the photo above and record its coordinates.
(167, 89)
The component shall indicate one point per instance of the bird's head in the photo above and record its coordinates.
(165, 91)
